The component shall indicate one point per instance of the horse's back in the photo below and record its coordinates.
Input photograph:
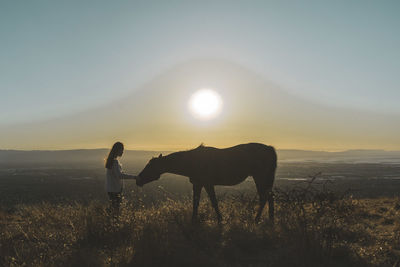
(251, 148)
(232, 165)
(250, 152)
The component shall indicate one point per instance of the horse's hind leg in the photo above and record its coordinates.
(196, 198)
(271, 209)
(262, 199)
(264, 190)
(211, 194)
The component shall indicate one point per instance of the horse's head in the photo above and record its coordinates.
(151, 172)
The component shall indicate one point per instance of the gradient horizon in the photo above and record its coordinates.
(338, 60)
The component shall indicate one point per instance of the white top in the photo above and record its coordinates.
(115, 176)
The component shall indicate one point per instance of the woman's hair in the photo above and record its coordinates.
(117, 148)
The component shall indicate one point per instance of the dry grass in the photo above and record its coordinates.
(314, 227)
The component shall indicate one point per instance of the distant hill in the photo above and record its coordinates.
(95, 157)
(81, 157)
(350, 156)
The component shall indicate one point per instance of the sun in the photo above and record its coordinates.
(205, 104)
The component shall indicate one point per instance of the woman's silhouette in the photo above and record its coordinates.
(115, 177)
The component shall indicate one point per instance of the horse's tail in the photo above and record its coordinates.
(273, 163)
(270, 165)
(274, 159)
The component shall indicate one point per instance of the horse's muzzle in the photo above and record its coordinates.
(140, 181)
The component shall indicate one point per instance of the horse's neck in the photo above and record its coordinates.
(177, 164)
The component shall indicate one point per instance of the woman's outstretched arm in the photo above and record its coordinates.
(119, 173)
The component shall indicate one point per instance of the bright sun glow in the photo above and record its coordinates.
(205, 104)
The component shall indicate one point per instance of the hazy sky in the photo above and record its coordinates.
(63, 57)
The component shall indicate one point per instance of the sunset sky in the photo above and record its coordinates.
(295, 74)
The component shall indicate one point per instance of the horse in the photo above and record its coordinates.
(209, 166)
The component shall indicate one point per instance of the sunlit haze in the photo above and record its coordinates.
(169, 75)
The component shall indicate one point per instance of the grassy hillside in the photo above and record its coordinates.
(313, 227)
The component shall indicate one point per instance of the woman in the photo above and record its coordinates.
(115, 176)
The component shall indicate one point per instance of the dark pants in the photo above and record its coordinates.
(115, 202)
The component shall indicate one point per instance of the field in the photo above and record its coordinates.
(327, 214)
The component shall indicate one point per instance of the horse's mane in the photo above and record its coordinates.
(201, 146)
(185, 152)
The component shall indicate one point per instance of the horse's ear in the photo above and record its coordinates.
(160, 156)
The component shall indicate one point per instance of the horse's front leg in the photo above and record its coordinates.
(211, 194)
(196, 198)
(261, 189)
